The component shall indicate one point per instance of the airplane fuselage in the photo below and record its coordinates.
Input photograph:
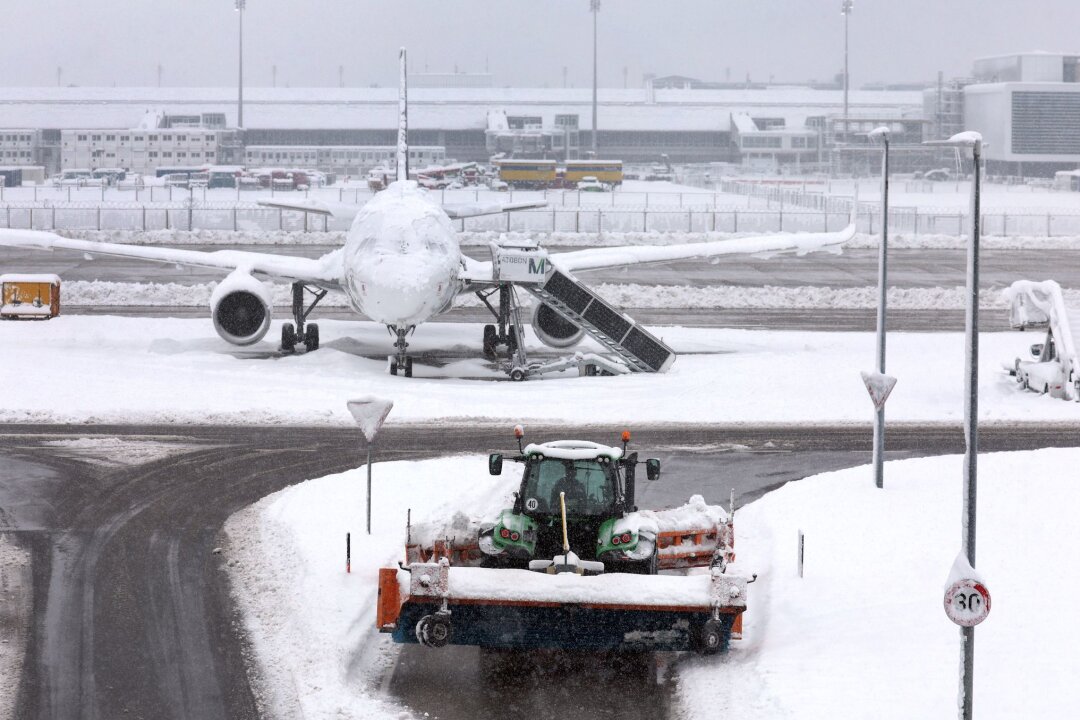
(401, 258)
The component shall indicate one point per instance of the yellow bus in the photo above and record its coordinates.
(606, 171)
(527, 173)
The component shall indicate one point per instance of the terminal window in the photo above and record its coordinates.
(1045, 123)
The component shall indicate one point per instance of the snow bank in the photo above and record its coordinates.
(163, 370)
(311, 625)
(863, 634)
(102, 293)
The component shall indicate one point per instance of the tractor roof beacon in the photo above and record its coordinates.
(596, 485)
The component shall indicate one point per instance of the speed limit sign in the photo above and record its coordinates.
(967, 602)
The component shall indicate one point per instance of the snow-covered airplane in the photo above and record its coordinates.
(401, 265)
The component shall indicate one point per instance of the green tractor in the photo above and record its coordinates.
(576, 498)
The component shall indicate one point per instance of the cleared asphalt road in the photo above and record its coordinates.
(131, 616)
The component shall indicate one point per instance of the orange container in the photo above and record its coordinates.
(29, 297)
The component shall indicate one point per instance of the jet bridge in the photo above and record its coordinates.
(1054, 367)
(530, 268)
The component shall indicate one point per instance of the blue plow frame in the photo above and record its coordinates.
(567, 627)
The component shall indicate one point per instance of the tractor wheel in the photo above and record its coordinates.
(490, 340)
(421, 630)
(288, 337)
(437, 631)
(639, 567)
(518, 374)
(651, 567)
(711, 638)
(311, 337)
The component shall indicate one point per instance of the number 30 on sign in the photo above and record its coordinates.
(967, 602)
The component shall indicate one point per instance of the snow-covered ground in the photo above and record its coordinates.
(863, 634)
(132, 370)
(312, 626)
(957, 195)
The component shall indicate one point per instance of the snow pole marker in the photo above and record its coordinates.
(802, 549)
(348, 552)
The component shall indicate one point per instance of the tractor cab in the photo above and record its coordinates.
(591, 486)
(594, 482)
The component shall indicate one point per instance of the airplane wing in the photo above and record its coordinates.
(761, 246)
(324, 272)
(464, 210)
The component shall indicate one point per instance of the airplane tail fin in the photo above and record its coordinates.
(403, 122)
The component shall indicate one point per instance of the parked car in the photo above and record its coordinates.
(938, 175)
(589, 183)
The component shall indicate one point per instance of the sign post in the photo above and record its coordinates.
(880, 386)
(369, 414)
(882, 134)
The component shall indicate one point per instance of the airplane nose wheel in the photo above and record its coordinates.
(401, 362)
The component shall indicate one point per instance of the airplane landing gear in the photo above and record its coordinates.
(502, 339)
(401, 361)
(302, 332)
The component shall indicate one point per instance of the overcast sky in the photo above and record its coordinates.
(522, 42)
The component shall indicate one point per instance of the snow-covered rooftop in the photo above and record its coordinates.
(432, 108)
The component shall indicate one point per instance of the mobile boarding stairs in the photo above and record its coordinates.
(630, 347)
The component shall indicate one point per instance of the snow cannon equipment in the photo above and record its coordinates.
(1053, 367)
(573, 564)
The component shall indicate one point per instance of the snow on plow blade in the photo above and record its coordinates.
(435, 604)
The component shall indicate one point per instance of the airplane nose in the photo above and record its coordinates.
(398, 291)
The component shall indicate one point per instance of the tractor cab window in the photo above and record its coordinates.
(588, 484)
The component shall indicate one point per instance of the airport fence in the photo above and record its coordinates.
(694, 219)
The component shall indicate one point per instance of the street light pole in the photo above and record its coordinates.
(594, 6)
(846, 7)
(240, 6)
(974, 141)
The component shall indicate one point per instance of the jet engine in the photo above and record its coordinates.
(240, 306)
(553, 329)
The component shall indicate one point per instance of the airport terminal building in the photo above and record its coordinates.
(1026, 105)
(142, 128)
